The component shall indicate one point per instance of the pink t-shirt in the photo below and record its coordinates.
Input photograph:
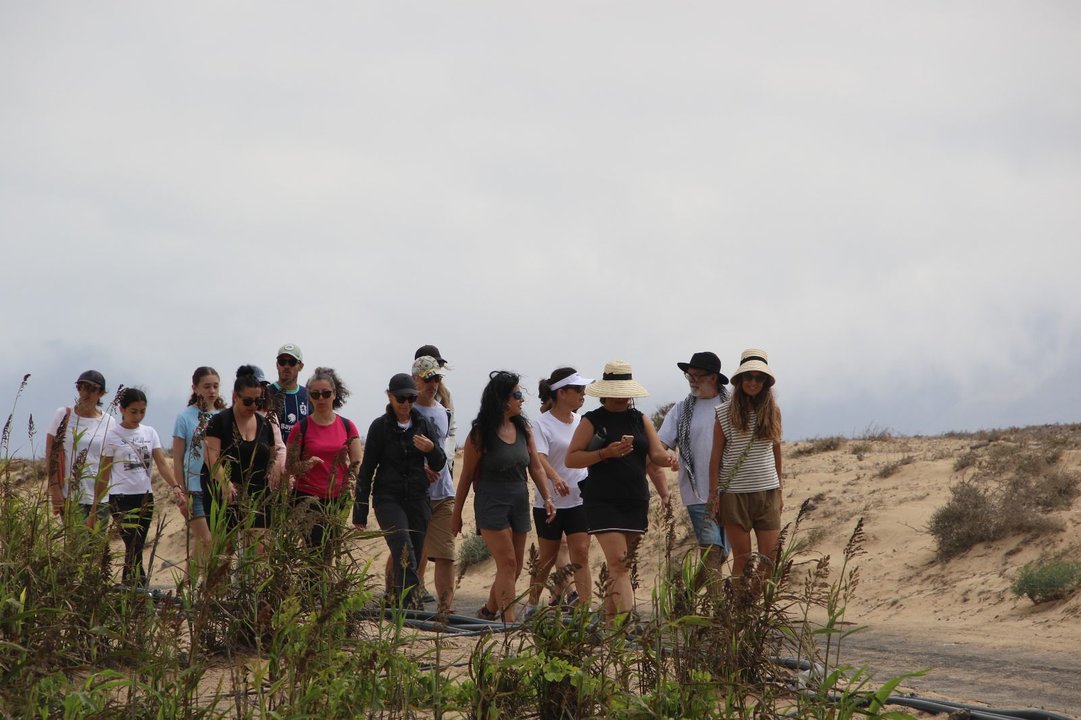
(331, 444)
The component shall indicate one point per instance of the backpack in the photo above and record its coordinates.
(304, 431)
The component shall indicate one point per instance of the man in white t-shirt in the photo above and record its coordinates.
(688, 429)
(439, 541)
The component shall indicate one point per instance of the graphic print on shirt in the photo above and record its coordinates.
(139, 455)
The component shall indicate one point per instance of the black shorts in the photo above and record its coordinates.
(568, 521)
(499, 508)
(611, 516)
(251, 509)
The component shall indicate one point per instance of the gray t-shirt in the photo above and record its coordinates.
(702, 421)
(437, 415)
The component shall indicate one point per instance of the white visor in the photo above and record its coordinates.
(574, 379)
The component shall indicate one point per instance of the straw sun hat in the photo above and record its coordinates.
(616, 382)
(754, 360)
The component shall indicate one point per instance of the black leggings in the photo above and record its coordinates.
(132, 514)
(405, 522)
(325, 518)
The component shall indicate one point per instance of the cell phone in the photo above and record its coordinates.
(628, 438)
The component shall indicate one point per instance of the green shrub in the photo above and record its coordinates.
(472, 551)
(1043, 582)
(891, 468)
(820, 445)
(969, 517)
(965, 460)
(658, 415)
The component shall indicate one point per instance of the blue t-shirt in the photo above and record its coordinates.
(293, 407)
(184, 428)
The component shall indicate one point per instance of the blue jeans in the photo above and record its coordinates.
(706, 529)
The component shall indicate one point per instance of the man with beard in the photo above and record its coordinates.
(688, 428)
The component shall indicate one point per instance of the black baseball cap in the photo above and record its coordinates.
(432, 351)
(402, 384)
(92, 376)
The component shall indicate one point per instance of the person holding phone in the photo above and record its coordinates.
(615, 442)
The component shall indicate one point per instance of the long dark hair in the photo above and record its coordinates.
(493, 402)
(201, 372)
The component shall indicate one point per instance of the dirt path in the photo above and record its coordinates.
(967, 672)
(971, 672)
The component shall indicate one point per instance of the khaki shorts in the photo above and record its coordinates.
(752, 511)
(439, 543)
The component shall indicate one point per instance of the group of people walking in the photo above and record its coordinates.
(591, 471)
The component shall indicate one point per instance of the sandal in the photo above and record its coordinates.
(485, 614)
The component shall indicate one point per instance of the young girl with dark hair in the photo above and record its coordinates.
(129, 448)
(745, 466)
(188, 432)
(324, 452)
(498, 451)
(240, 468)
(564, 393)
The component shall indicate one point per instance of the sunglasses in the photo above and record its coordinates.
(321, 394)
(405, 398)
(86, 386)
(753, 377)
(517, 395)
(576, 388)
(287, 360)
(249, 401)
(432, 378)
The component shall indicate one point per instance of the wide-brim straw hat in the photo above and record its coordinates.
(754, 360)
(616, 382)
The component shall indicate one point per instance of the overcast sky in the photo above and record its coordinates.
(884, 196)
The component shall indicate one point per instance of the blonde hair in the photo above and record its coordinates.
(767, 412)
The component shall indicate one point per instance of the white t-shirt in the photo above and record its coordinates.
(131, 451)
(83, 439)
(701, 436)
(442, 488)
(552, 437)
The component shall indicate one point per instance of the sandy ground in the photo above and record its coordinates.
(958, 618)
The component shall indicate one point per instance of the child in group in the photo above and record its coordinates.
(125, 474)
(188, 432)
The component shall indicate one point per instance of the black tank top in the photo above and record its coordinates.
(618, 478)
(505, 463)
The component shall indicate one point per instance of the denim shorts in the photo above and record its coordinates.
(197, 508)
(706, 529)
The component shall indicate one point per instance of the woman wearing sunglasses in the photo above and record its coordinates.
(498, 451)
(745, 466)
(398, 444)
(563, 393)
(241, 449)
(324, 453)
